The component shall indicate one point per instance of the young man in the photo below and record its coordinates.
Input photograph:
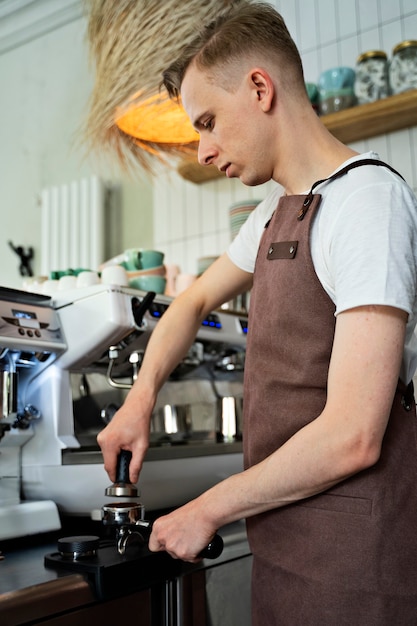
(329, 490)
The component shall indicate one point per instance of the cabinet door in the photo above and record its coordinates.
(131, 609)
(216, 596)
(228, 593)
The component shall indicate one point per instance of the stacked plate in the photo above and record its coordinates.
(239, 213)
(204, 262)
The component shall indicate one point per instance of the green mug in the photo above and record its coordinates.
(149, 283)
(150, 258)
(132, 259)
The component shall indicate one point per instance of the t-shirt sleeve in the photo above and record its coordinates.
(373, 251)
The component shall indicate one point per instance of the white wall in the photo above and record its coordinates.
(44, 88)
(45, 82)
(192, 220)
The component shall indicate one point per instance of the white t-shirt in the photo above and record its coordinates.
(363, 243)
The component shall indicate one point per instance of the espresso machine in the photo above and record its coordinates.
(76, 386)
(31, 339)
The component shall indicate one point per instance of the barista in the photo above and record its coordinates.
(330, 435)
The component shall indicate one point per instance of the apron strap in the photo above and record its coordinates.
(340, 173)
(352, 166)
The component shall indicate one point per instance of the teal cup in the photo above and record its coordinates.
(149, 283)
(150, 258)
(132, 260)
(337, 78)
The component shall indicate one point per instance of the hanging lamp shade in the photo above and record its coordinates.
(131, 43)
(157, 120)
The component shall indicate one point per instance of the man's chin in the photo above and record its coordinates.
(252, 180)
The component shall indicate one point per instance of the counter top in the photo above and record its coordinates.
(30, 591)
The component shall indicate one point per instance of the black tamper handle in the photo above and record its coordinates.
(123, 487)
(122, 467)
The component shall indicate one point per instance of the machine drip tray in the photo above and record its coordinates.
(28, 518)
(111, 574)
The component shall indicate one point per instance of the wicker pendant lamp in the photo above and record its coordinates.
(131, 42)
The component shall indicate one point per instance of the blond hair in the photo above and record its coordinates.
(246, 29)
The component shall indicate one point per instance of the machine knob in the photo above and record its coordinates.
(24, 419)
(107, 413)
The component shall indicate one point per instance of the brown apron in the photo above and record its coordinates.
(347, 556)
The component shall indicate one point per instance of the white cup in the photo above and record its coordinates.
(50, 286)
(87, 278)
(67, 282)
(114, 275)
(34, 283)
(171, 273)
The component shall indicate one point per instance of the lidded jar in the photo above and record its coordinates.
(371, 80)
(403, 68)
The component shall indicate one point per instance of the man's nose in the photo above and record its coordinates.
(206, 154)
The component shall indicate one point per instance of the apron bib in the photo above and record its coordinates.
(348, 555)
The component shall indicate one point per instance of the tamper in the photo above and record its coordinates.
(122, 488)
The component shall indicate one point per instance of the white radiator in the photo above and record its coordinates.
(73, 225)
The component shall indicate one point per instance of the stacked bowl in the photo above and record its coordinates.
(204, 263)
(239, 213)
(145, 269)
(336, 89)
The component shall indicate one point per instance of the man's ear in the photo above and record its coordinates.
(263, 87)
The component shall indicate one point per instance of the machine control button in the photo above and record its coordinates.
(244, 326)
(212, 321)
(157, 309)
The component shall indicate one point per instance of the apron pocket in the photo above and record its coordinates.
(339, 504)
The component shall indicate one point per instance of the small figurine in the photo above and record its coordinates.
(25, 268)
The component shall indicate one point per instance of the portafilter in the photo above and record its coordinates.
(128, 517)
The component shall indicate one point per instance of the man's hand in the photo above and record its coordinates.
(183, 533)
(128, 430)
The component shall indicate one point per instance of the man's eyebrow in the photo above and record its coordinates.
(197, 122)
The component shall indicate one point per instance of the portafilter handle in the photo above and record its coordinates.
(212, 551)
(123, 487)
(144, 528)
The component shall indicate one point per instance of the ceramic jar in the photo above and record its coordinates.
(403, 68)
(371, 80)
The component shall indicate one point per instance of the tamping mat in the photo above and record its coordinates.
(112, 574)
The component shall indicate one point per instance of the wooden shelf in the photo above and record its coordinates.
(359, 122)
(376, 118)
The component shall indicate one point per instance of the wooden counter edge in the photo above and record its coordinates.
(45, 599)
